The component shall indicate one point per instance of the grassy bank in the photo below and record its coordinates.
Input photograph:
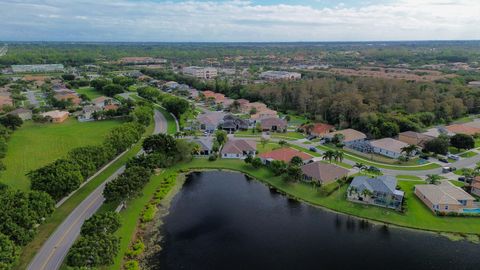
(417, 216)
(35, 145)
(47, 228)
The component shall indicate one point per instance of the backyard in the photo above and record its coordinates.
(90, 92)
(34, 145)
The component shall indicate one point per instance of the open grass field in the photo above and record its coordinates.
(90, 92)
(46, 229)
(34, 145)
(417, 216)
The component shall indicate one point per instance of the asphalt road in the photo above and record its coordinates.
(54, 250)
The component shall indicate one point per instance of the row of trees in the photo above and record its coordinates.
(112, 87)
(440, 145)
(65, 175)
(161, 151)
(8, 124)
(21, 213)
(97, 245)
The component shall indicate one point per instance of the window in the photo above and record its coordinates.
(446, 207)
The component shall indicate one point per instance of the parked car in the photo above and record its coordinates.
(442, 159)
(313, 149)
(461, 178)
(454, 157)
(448, 169)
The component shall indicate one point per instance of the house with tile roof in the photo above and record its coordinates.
(284, 154)
(206, 146)
(350, 136)
(239, 148)
(323, 173)
(210, 121)
(414, 138)
(388, 147)
(380, 191)
(444, 198)
(463, 129)
(475, 186)
(320, 129)
(273, 124)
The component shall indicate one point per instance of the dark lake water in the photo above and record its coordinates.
(223, 220)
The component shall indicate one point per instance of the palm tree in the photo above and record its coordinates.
(360, 166)
(283, 143)
(196, 149)
(328, 155)
(409, 149)
(366, 193)
(433, 179)
(338, 156)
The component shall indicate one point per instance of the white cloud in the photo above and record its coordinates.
(123, 20)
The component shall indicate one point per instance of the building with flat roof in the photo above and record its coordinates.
(200, 72)
(38, 68)
(273, 75)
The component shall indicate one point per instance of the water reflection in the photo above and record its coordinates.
(219, 220)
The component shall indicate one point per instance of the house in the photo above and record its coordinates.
(254, 106)
(284, 154)
(200, 72)
(24, 114)
(88, 113)
(437, 131)
(56, 116)
(320, 129)
(266, 113)
(350, 136)
(233, 123)
(206, 146)
(475, 186)
(273, 75)
(142, 60)
(444, 198)
(210, 121)
(239, 148)
(388, 147)
(462, 129)
(379, 191)
(68, 95)
(414, 138)
(106, 103)
(323, 173)
(273, 124)
(6, 100)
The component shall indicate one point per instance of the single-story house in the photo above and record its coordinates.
(284, 154)
(103, 101)
(24, 114)
(414, 138)
(206, 146)
(321, 129)
(56, 116)
(239, 148)
(350, 136)
(267, 113)
(388, 147)
(380, 191)
(437, 131)
(210, 121)
(257, 106)
(475, 186)
(88, 113)
(68, 95)
(273, 124)
(233, 123)
(444, 197)
(462, 129)
(323, 173)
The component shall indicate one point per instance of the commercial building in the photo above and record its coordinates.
(200, 72)
(38, 68)
(273, 75)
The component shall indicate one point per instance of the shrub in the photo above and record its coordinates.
(212, 157)
(132, 265)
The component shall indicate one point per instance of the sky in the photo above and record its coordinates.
(238, 20)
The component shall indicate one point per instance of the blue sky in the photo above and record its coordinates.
(238, 20)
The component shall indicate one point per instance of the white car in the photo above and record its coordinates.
(454, 157)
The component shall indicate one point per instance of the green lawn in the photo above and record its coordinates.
(34, 145)
(468, 154)
(47, 228)
(288, 135)
(89, 92)
(408, 177)
(268, 147)
(418, 216)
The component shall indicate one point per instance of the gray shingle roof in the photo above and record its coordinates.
(384, 184)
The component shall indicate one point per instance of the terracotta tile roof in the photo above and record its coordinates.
(462, 129)
(321, 129)
(285, 154)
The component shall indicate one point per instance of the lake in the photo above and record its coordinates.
(224, 220)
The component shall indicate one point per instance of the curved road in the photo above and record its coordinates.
(54, 250)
